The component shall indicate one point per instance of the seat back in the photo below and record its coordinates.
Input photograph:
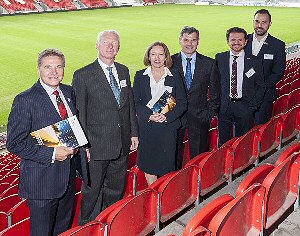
(215, 169)
(3, 221)
(76, 209)
(291, 124)
(205, 215)
(9, 202)
(270, 134)
(178, 192)
(213, 139)
(281, 189)
(294, 98)
(241, 216)
(132, 159)
(11, 190)
(295, 84)
(280, 105)
(20, 228)
(245, 151)
(284, 89)
(18, 213)
(288, 152)
(94, 228)
(138, 216)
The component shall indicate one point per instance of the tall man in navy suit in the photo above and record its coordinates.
(200, 76)
(242, 90)
(272, 53)
(47, 174)
(105, 106)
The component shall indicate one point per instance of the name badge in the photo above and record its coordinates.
(250, 72)
(123, 83)
(268, 56)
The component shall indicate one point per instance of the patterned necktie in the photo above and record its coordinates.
(61, 106)
(114, 85)
(233, 83)
(188, 73)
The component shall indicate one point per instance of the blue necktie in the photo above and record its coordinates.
(188, 73)
(114, 85)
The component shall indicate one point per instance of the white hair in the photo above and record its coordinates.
(104, 32)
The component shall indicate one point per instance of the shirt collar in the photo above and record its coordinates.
(262, 40)
(184, 57)
(49, 89)
(167, 72)
(104, 66)
(241, 54)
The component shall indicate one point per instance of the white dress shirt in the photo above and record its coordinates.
(256, 45)
(240, 72)
(156, 86)
(52, 97)
(184, 62)
(106, 72)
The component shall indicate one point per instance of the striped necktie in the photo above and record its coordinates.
(61, 106)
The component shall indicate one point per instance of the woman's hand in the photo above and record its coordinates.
(157, 117)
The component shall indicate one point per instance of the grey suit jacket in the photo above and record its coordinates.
(33, 110)
(108, 127)
(205, 80)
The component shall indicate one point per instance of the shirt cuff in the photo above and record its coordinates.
(53, 155)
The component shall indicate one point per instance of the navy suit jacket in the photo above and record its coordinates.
(205, 80)
(33, 110)
(272, 54)
(252, 88)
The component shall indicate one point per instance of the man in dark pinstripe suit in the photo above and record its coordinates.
(47, 174)
(109, 120)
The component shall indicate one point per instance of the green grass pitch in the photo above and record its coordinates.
(23, 36)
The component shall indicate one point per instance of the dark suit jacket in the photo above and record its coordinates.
(273, 68)
(205, 78)
(142, 95)
(108, 127)
(252, 88)
(33, 110)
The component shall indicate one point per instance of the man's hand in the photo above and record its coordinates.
(88, 155)
(62, 153)
(157, 117)
(134, 143)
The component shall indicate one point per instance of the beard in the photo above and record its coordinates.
(260, 31)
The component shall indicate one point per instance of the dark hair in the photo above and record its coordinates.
(51, 52)
(236, 30)
(263, 11)
(189, 30)
(168, 62)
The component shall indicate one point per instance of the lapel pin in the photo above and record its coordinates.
(69, 100)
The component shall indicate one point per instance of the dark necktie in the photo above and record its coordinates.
(61, 106)
(233, 83)
(114, 85)
(188, 73)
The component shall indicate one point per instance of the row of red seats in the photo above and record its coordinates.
(14, 6)
(261, 199)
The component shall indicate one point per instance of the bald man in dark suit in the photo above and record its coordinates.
(105, 106)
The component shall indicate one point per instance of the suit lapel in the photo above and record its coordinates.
(103, 83)
(68, 98)
(45, 101)
(123, 88)
(248, 48)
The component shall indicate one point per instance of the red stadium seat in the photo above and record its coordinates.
(291, 124)
(213, 139)
(270, 135)
(94, 228)
(78, 183)
(285, 89)
(130, 184)
(280, 105)
(18, 213)
(139, 180)
(186, 153)
(4, 187)
(9, 202)
(20, 228)
(9, 178)
(287, 152)
(3, 221)
(132, 160)
(241, 216)
(183, 185)
(245, 151)
(77, 205)
(11, 190)
(294, 98)
(295, 84)
(281, 183)
(214, 122)
(206, 214)
(135, 215)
